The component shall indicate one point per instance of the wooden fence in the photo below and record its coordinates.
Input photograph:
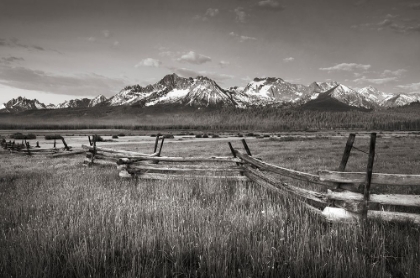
(341, 196)
(26, 149)
(107, 156)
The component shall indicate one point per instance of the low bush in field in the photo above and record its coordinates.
(114, 136)
(53, 136)
(215, 136)
(168, 136)
(21, 136)
(121, 134)
(199, 136)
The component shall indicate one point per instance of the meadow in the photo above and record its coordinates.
(59, 218)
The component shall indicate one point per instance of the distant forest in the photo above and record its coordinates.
(262, 119)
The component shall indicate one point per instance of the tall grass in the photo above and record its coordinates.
(69, 221)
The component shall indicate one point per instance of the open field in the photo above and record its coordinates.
(61, 219)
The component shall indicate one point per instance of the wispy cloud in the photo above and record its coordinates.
(415, 6)
(210, 12)
(397, 72)
(148, 62)
(224, 64)
(289, 59)
(240, 15)
(38, 80)
(346, 67)
(12, 43)
(242, 38)
(413, 87)
(185, 72)
(194, 58)
(377, 81)
(392, 22)
(106, 33)
(270, 5)
(10, 60)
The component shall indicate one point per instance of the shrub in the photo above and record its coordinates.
(53, 136)
(199, 136)
(205, 135)
(250, 134)
(266, 135)
(121, 134)
(240, 135)
(114, 136)
(168, 136)
(98, 138)
(215, 136)
(19, 135)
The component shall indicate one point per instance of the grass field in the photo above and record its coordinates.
(61, 219)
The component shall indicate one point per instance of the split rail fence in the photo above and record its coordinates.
(26, 149)
(341, 196)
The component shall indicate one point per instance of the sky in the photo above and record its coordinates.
(55, 50)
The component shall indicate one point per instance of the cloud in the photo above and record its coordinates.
(9, 60)
(346, 67)
(223, 64)
(413, 87)
(397, 72)
(38, 80)
(184, 72)
(270, 5)
(240, 15)
(91, 39)
(106, 33)
(242, 38)
(148, 62)
(392, 22)
(210, 12)
(116, 43)
(12, 43)
(415, 6)
(377, 81)
(290, 59)
(194, 58)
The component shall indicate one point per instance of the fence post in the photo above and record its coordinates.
(65, 144)
(156, 143)
(369, 171)
(90, 141)
(246, 147)
(55, 143)
(94, 149)
(346, 155)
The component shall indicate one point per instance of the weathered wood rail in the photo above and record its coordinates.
(339, 195)
(347, 196)
(107, 156)
(25, 148)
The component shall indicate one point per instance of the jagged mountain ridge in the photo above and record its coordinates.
(204, 92)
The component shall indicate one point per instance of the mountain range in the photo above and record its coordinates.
(204, 92)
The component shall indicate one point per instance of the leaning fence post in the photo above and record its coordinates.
(156, 143)
(65, 144)
(346, 154)
(369, 171)
(90, 141)
(246, 147)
